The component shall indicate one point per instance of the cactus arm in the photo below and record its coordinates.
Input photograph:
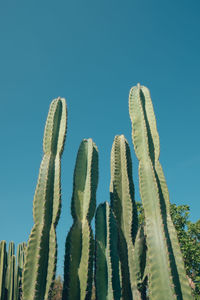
(124, 207)
(107, 279)
(39, 269)
(78, 265)
(3, 266)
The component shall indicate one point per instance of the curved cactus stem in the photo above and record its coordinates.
(167, 278)
(41, 257)
(78, 266)
(107, 279)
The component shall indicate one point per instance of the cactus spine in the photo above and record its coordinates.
(124, 207)
(79, 243)
(167, 278)
(41, 256)
(107, 280)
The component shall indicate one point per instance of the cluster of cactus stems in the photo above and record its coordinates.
(11, 267)
(123, 260)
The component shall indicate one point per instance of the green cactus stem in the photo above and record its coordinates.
(78, 266)
(3, 267)
(167, 277)
(21, 250)
(11, 278)
(41, 254)
(107, 280)
(139, 264)
(124, 208)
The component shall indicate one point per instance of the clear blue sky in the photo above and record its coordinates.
(92, 53)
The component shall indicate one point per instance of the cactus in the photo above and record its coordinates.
(166, 274)
(11, 278)
(21, 249)
(3, 266)
(79, 243)
(126, 259)
(139, 264)
(10, 270)
(41, 255)
(124, 207)
(107, 279)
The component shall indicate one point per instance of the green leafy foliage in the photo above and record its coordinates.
(189, 239)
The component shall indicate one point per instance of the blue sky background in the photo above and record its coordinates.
(92, 53)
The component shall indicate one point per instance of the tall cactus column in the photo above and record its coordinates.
(167, 278)
(41, 256)
(124, 207)
(78, 268)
